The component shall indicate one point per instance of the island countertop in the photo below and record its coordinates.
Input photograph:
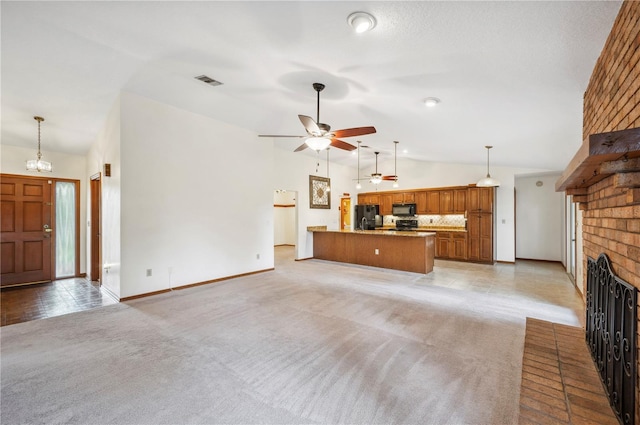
(411, 251)
(390, 232)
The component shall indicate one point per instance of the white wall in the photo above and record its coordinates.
(197, 198)
(64, 166)
(539, 216)
(291, 171)
(420, 174)
(106, 150)
(284, 218)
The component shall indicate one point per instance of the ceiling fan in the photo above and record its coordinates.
(319, 135)
(377, 178)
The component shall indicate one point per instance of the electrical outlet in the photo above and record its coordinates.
(149, 272)
(377, 251)
(257, 256)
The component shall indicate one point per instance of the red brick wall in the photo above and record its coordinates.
(611, 222)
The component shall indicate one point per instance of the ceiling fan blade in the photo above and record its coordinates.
(279, 135)
(350, 132)
(390, 178)
(301, 147)
(342, 145)
(310, 125)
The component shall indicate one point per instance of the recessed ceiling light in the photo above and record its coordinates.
(431, 102)
(361, 21)
(405, 151)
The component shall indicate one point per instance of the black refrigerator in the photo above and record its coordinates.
(366, 217)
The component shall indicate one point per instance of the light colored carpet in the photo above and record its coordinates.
(311, 342)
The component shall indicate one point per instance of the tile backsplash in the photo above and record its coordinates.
(447, 220)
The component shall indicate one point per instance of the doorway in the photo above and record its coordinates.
(284, 217)
(40, 231)
(95, 228)
(345, 213)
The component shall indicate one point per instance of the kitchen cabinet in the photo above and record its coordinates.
(386, 203)
(368, 199)
(446, 201)
(404, 197)
(421, 202)
(459, 201)
(433, 202)
(452, 245)
(480, 199)
(458, 246)
(480, 231)
(443, 244)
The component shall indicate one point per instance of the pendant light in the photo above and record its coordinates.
(488, 181)
(358, 185)
(395, 164)
(329, 180)
(376, 177)
(38, 164)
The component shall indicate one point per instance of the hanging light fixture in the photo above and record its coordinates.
(318, 143)
(38, 164)
(376, 177)
(488, 181)
(329, 183)
(358, 185)
(395, 164)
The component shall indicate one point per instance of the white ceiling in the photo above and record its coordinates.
(509, 74)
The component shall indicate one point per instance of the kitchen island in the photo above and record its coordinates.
(390, 249)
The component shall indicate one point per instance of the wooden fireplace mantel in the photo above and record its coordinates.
(600, 156)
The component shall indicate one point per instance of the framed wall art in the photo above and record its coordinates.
(319, 196)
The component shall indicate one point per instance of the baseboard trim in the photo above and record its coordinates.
(284, 244)
(206, 282)
(505, 262)
(191, 285)
(542, 261)
(303, 259)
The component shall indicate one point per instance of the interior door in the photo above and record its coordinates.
(25, 230)
(96, 226)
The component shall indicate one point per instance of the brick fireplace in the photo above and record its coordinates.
(604, 176)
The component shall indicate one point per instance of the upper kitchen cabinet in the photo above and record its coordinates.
(433, 202)
(368, 199)
(459, 201)
(421, 202)
(480, 199)
(446, 202)
(404, 197)
(386, 203)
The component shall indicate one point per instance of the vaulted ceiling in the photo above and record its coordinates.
(509, 74)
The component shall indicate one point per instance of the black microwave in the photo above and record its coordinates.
(403, 209)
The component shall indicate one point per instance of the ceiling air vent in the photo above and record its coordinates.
(208, 80)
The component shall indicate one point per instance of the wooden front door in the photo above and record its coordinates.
(25, 230)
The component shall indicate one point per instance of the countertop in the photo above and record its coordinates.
(390, 232)
(432, 229)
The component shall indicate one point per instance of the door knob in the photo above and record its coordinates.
(47, 228)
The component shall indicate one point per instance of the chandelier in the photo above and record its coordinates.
(38, 164)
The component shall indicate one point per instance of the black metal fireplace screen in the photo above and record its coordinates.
(612, 336)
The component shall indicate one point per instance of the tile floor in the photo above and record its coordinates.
(560, 384)
(25, 303)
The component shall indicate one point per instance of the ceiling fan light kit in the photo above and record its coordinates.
(361, 21)
(318, 143)
(38, 164)
(488, 181)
